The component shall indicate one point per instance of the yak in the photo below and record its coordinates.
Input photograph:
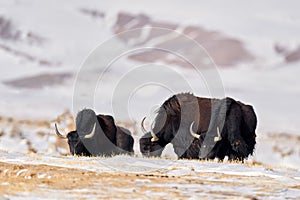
(97, 135)
(202, 128)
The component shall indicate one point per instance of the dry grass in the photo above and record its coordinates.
(18, 178)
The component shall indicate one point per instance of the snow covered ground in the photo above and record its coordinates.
(44, 46)
(159, 178)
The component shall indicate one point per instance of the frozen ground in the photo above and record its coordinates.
(139, 178)
(43, 46)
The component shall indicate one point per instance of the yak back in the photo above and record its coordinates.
(119, 136)
(168, 116)
(181, 110)
(103, 142)
(187, 108)
(108, 126)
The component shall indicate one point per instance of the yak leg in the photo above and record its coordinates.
(222, 150)
(233, 156)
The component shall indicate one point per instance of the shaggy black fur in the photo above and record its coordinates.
(237, 123)
(109, 139)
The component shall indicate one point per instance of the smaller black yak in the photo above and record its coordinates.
(202, 128)
(97, 135)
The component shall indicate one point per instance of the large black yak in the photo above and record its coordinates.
(97, 135)
(202, 128)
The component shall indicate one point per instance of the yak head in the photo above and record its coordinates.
(75, 140)
(150, 148)
(75, 144)
(162, 130)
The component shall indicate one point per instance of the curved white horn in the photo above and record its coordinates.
(154, 137)
(218, 138)
(58, 133)
(92, 133)
(192, 132)
(142, 126)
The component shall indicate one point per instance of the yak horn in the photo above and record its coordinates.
(92, 133)
(192, 132)
(142, 125)
(58, 133)
(154, 137)
(218, 138)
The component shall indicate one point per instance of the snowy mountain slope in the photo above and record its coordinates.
(66, 44)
